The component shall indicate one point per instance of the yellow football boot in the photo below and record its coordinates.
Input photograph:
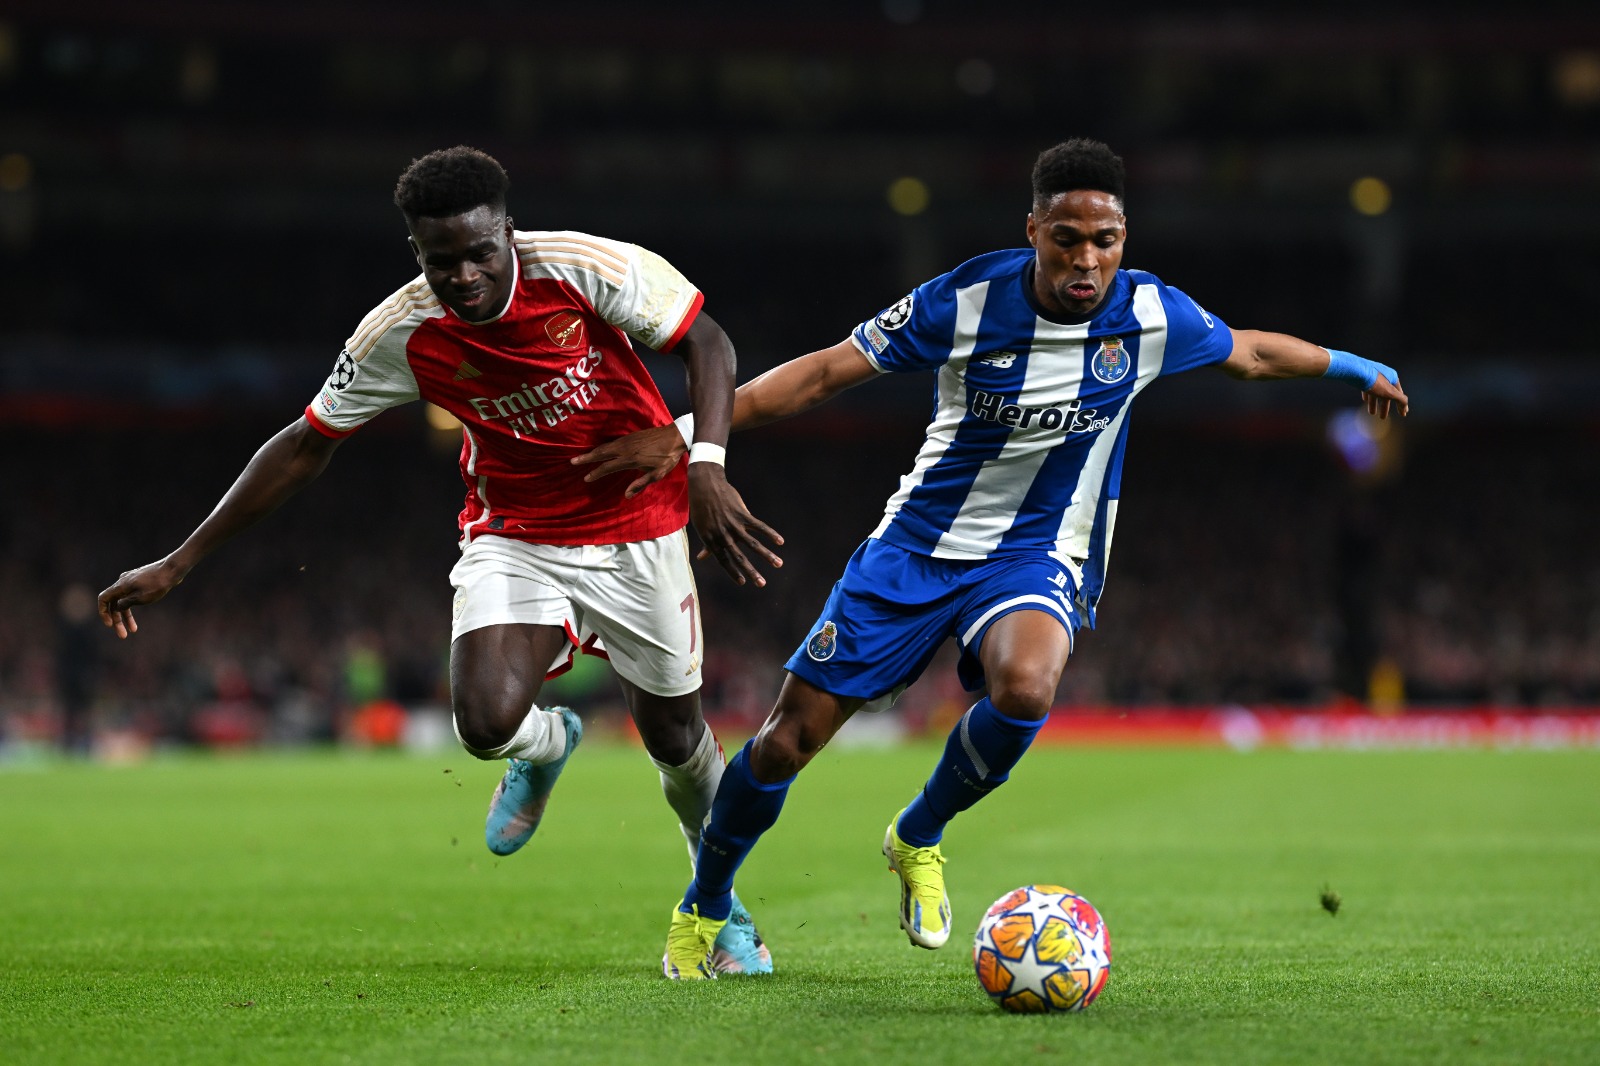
(690, 939)
(924, 907)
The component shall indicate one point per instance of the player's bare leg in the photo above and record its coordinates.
(802, 722)
(496, 673)
(690, 760)
(1023, 654)
(670, 726)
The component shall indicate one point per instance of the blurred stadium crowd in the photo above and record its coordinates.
(194, 212)
(1249, 568)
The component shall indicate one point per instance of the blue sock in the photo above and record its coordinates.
(978, 757)
(743, 809)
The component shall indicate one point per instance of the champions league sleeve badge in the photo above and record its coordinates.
(825, 641)
(897, 316)
(344, 371)
(1111, 361)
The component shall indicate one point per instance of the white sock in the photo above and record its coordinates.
(690, 788)
(541, 738)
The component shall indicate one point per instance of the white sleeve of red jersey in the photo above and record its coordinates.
(373, 374)
(630, 287)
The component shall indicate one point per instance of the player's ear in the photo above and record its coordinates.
(416, 253)
(1033, 230)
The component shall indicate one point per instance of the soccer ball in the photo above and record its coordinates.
(1042, 948)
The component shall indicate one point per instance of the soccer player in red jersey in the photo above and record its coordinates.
(524, 337)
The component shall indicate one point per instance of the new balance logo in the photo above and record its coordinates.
(999, 359)
(466, 370)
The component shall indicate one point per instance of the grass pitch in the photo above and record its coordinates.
(311, 908)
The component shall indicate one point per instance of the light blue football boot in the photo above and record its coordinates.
(739, 948)
(519, 800)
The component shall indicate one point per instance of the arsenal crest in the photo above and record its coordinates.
(565, 328)
(1111, 361)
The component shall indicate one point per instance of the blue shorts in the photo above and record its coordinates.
(892, 609)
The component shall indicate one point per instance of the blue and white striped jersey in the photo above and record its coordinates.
(1025, 449)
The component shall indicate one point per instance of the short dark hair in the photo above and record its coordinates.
(451, 181)
(1076, 164)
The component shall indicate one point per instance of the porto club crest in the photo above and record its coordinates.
(823, 643)
(1111, 361)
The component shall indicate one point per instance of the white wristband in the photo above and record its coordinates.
(705, 452)
(685, 424)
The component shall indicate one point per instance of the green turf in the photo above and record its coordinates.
(310, 908)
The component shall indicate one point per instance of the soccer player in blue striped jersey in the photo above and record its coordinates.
(1000, 534)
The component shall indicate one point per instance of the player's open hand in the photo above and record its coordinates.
(655, 451)
(135, 588)
(1382, 396)
(726, 527)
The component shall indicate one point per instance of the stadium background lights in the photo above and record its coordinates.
(1577, 79)
(1371, 196)
(197, 77)
(909, 196)
(16, 172)
(1358, 439)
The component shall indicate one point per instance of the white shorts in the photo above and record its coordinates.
(635, 604)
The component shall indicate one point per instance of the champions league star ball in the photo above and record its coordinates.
(1042, 948)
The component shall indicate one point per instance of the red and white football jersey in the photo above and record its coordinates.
(550, 377)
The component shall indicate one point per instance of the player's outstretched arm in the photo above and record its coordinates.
(729, 533)
(1259, 356)
(283, 465)
(800, 384)
(784, 391)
